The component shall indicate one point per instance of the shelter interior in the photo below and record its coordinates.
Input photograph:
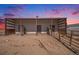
(35, 25)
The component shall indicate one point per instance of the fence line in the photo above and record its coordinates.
(70, 39)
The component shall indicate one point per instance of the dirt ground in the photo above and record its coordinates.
(31, 44)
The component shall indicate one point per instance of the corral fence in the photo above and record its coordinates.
(70, 39)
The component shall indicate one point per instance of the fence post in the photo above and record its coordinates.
(71, 38)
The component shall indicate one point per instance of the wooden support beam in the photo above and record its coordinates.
(21, 26)
(71, 38)
(36, 24)
(51, 26)
(5, 26)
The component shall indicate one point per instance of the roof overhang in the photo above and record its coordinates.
(34, 18)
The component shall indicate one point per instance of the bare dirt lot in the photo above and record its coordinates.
(32, 45)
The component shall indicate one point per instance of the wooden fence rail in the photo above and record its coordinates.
(70, 40)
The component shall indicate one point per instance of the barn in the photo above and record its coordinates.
(35, 25)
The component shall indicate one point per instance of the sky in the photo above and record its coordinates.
(71, 11)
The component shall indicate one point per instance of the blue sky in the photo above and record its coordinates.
(71, 11)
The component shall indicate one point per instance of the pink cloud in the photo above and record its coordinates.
(75, 13)
(73, 21)
(2, 26)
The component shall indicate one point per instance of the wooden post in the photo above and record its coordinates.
(58, 29)
(18, 25)
(71, 38)
(21, 27)
(5, 26)
(14, 26)
(65, 27)
(51, 26)
(36, 24)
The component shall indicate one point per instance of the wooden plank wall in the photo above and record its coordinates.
(9, 26)
(62, 26)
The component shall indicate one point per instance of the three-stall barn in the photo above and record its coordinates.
(35, 25)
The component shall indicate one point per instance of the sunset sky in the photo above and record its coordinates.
(71, 11)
